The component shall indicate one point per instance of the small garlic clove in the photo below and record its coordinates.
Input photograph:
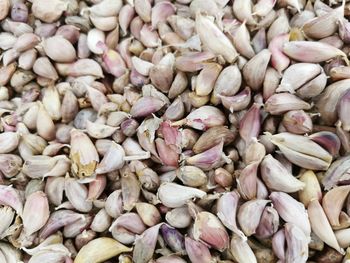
(175, 195)
(130, 187)
(191, 176)
(8, 141)
(320, 225)
(54, 190)
(35, 213)
(82, 67)
(99, 250)
(238, 102)
(249, 126)
(52, 103)
(11, 197)
(146, 106)
(96, 187)
(343, 108)
(99, 131)
(43, 67)
(312, 189)
(297, 121)
(243, 10)
(59, 49)
(44, 124)
(7, 216)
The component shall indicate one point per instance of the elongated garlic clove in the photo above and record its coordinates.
(320, 225)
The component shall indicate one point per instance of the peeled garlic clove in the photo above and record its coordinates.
(310, 51)
(277, 177)
(312, 189)
(175, 195)
(83, 154)
(11, 197)
(291, 211)
(207, 31)
(249, 215)
(320, 225)
(208, 229)
(241, 251)
(333, 202)
(302, 151)
(297, 244)
(35, 213)
(99, 250)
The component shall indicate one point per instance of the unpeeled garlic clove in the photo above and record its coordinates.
(241, 41)
(11, 197)
(311, 51)
(10, 165)
(291, 211)
(54, 190)
(44, 124)
(146, 106)
(43, 67)
(312, 189)
(59, 49)
(178, 217)
(197, 251)
(148, 213)
(343, 108)
(241, 251)
(100, 249)
(302, 151)
(277, 177)
(209, 159)
(297, 244)
(57, 220)
(191, 176)
(333, 202)
(106, 8)
(207, 31)
(283, 102)
(145, 244)
(8, 141)
(255, 69)
(268, 224)
(126, 227)
(297, 121)
(249, 215)
(50, 13)
(130, 189)
(83, 154)
(278, 244)
(113, 204)
(226, 211)
(96, 187)
(206, 79)
(167, 155)
(99, 131)
(208, 229)
(7, 215)
(249, 126)
(278, 59)
(335, 172)
(82, 67)
(35, 213)
(175, 195)
(77, 194)
(52, 103)
(243, 10)
(247, 181)
(238, 102)
(320, 225)
(173, 238)
(297, 75)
